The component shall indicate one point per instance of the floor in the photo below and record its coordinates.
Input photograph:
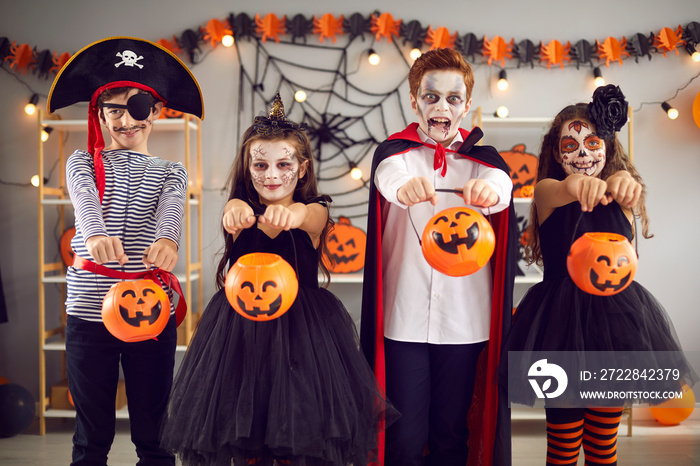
(650, 444)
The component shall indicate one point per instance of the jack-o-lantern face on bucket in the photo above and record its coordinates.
(261, 286)
(136, 310)
(458, 241)
(346, 247)
(523, 170)
(602, 264)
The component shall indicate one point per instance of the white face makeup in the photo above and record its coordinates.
(441, 104)
(581, 150)
(275, 170)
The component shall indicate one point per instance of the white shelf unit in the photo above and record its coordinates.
(54, 273)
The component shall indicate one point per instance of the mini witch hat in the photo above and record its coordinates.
(123, 62)
(275, 123)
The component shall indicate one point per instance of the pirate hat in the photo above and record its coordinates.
(123, 62)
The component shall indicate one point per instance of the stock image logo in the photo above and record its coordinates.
(540, 376)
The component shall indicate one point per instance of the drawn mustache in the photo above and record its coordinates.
(125, 129)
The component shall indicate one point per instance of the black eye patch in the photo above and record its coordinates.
(139, 106)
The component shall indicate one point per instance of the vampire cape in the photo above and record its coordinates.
(491, 416)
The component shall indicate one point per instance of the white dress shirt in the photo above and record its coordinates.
(420, 304)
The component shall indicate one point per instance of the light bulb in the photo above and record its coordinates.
(598, 77)
(227, 40)
(373, 58)
(670, 111)
(30, 108)
(502, 80)
(355, 172)
(35, 181)
(695, 56)
(502, 111)
(415, 53)
(300, 96)
(45, 133)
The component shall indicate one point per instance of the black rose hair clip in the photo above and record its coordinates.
(275, 123)
(608, 110)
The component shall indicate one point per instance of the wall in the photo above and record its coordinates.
(666, 152)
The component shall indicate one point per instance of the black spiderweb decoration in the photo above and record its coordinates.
(349, 108)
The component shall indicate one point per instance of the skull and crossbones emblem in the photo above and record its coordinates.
(129, 58)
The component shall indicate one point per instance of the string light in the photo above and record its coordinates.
(373, 57)
(35, 181)
(502, 80)
(355, 171)
(696, 54)
(227, 40)
(30, 108)
(670, 111)
(45, 133)
(501, 112)
(300, 96)
(598, 77)
(415, 53)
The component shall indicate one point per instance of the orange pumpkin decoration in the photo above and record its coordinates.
(136, 310)
(346, 247)
(170, 113)
(67, 253)
(602, 264)
(527, 191)
(458, 241)
(675, 410)
(261, 286)
(523, 170)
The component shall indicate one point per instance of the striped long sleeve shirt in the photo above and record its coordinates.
(144, 201)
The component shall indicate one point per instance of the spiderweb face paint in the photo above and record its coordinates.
(274, 170)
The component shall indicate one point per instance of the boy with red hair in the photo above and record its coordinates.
(422, 331)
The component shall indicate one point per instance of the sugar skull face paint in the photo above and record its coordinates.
(581, 151)
(441, 104)
(275, 170)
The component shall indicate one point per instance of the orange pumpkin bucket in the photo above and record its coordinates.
(458, 241)
(261, 286)
(136, 310)
(602, 264)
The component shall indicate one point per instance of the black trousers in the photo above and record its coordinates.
(432, 387)
(93, 356)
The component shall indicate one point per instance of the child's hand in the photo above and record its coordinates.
(106, 249)
(624, 189)
(588, 190)
(162, 254)
(417, 189)
(238, 215)
(278, 217)
(479, 193)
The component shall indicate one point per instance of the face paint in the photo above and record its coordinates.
(441, 104)
(581, 150)
(274, 170)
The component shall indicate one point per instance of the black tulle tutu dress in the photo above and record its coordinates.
(555, 315)
(295, 389)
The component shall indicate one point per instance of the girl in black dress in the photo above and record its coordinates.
(293, 390)
(586, 183)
